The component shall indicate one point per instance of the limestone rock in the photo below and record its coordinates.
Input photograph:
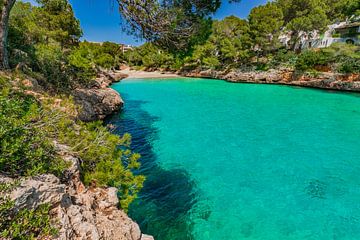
(38, 190)
(77, 211)
(284, 76)
(97, 103)
(98, 100)
(146, 237)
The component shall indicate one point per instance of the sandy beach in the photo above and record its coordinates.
(142, 74)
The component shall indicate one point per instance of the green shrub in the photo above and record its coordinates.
(349, 65)
(81, 63)
(346, 57)
(105, 60)
(24, 224)
(211, 62)
(51, 62)
(342, 50)
(285, 58)
(105, 158)
(309, 59)
(24, 149)
(262, 67)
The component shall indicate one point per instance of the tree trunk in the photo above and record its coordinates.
(6, 7)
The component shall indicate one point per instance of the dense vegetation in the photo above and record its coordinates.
(254, 43)
(26, 223)
(44, 45)
(45, 39)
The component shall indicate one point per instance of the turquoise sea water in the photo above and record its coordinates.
(242, 161)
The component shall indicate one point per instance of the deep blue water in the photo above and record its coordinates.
(243, 161)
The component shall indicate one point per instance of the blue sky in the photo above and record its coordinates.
(100, 20)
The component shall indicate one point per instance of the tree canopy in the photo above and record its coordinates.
(266, 22)
(171, 24)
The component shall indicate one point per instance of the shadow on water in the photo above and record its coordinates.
(163, 206)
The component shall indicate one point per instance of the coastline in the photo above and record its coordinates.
(113, 102)
(321, 80)
(137, 74)
(327, 81)
(77, 211)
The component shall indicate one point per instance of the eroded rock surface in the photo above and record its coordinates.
(325, 80)
(97, 103)
(79, 212)
(99, 100)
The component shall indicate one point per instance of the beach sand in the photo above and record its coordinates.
(143, 74)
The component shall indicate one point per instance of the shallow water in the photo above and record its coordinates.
(243, 161)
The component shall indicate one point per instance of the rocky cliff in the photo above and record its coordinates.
(333, 81)
(77, 211)
(99, 100)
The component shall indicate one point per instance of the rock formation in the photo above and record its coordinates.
(332, 81)
(97, 103)
(79, 212)
(99, 100)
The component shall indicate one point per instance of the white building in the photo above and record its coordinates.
(339, 32)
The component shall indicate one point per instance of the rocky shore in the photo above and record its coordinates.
(332, 81)
(99, 100)
(77, 211)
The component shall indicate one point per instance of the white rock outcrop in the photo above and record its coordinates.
(79, 212)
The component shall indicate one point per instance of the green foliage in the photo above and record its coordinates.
(342, 49)
(106, 160)
(341, 57)
(342, 9)
(349, 65)
(81, 62)
(205, 56)
(346, 57)
(38, 37)
(309, 59)
(24, 149)
(232, 39)
(150, 56)
(46, 39)
(266, 22)
(228, 45)
(51, 22)
(173, 25)
(285, 58)
(303, 16)
(27, 132)
(51, 62)
(55, 21)
(24, 224)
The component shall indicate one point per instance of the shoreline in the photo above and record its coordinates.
(138, 74)
(285, 77)
(76, 210)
